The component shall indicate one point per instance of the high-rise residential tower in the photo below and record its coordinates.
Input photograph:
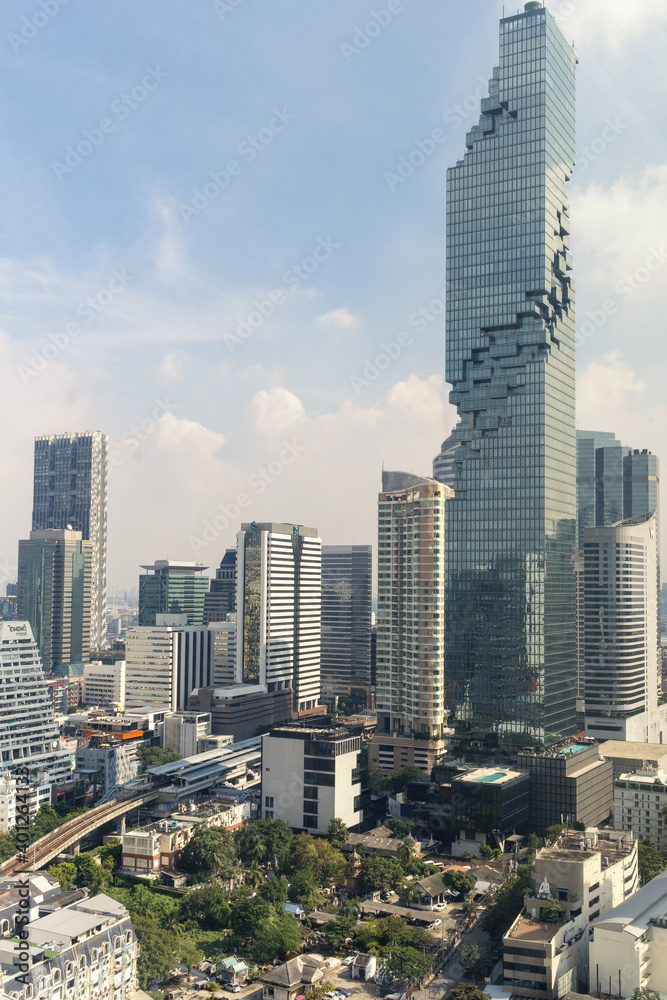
(412, 512)
(619, 632)
(55, 594)
(70, 491)
(510, 647)
(347, 591)
(169, 587)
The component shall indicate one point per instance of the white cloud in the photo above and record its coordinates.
(274, 410)
(616, 24)
(341, 317)
(170, 368)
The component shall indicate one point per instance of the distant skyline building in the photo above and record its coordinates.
(70, 491)
(620, 654)
(55, 594)
(347, 593)
(29, 735)
(169, 587)
(510, 647)
(410, 686)
(221, 598)
(614, 482)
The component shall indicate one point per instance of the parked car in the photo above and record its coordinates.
(343, 992)
(349, 960)
(233, 987)
(439, 906)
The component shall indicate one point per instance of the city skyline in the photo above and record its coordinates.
(194, 420)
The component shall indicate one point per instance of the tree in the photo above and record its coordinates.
(155, 756)
(406, 852)
(644, 993)
(378, 874)
(466, 991)
(189, 953)
(88, 874)
(408, 962)
(320, 991)
(337, 833)
(254, 876)
(280, 935)
(458, 881)
(264, 840)
(651, 862)
(339, 930)
(208, 906)
(275, 891)
(474, 964)
(490, 853)
(210, 850)
(377, 779)
(401, 828)
(303, 889)
(317, 856)
(399, 780)
(65, 873)
(553, 912)
(250, 917)
(505, 903)
(552, 832)
(111, 852)
(408, 895)
(158, 947)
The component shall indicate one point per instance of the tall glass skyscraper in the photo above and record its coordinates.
(510, 648)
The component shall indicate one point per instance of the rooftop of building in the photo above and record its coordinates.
(653, 752)
(532, 930)
(576, 845)
(80, 918)
(647, 905)
(565, 748)
(173, 567)
(490, 775)
(280, 528)
(327, 733)
(647, 776)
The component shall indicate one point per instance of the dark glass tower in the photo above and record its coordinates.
(510, 649)
(347, 590)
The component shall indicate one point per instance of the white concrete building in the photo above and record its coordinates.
(36, 794)
(629, 944)
(29, 736)
(151, 662)
(278, 601)
(310, 776)
(85, 950)
(104, 683)
(184, 731)
(585, 875)
(639, 798)
(618, 637)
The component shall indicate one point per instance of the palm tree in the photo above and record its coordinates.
(406, 852)
(254, 875)
(258, 851)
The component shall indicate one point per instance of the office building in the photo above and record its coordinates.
(90, 944)
(151, 663)
(490, 801)
(569, 781)
(29, 736)
(621, 661)
(54, 583)
(582, 877)
(242, 710)
(510, 649)
(172, 588)
(630, 756)
(347, 591)
(70, 491)
(410, 621)
(311, 775)
(628, 950)
(184, 732)
(108, 762)
(614, 483)
(221, 598)
(9, 608)
(443, 463)
(104, 683)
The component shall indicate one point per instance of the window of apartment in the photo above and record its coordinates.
(310, 792)
(268, 814)
(309, 822)
(268, 801)
(562, 895)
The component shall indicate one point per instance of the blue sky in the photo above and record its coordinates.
(125, 294)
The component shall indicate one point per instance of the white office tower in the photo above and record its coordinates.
(278, 601)
(70, 489)
(619, 632)
(410, 621)
(104, 683)
(29, 736)
(151, 662)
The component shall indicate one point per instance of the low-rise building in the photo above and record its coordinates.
(158, 846)
(115, 760)
(639, 800)
(311, 775)
(298, 976)
(104, 683)
(492, 801)
(581, 877)
(34, 795)
(380, 840)
(184, 732)
(85, 950)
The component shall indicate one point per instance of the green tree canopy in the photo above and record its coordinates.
(337, 833)
(378, 873)
(208, 906)
(401, 828)
(281, 934)
(651, 862)
(316, 855)
(459, 881)
(89, 875)
(210, 850)
(65, 873)
(263, 840)
(466, 991)
(276, 892)
(250, 917)
(155, 756)
(505, 903)
(303, 889)
(473, 962)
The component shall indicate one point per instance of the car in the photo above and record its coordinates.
(349, 960)
(233, 987)
(439, 906)
(343, 992)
